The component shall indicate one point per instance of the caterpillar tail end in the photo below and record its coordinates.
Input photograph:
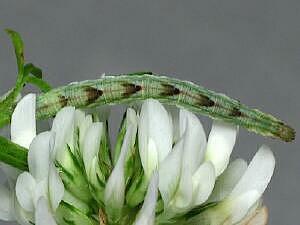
(286, 133)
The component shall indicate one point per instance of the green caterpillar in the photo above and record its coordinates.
(139, 86)
(128, 88)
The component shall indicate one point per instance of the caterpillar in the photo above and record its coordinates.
(127, 88)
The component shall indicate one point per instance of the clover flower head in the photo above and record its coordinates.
(162, 170)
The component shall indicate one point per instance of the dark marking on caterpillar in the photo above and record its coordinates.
(169, 90)
(63, 101)
(236, 112)
(92, 94)
(131, 89)
(205, 101)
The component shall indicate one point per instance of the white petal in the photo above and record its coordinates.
(79, 117)
(230, 211)
(77, 203)
(169, 173)
(92, 173)
(56, 187)
(258, 174)
(25, 191)
(227, 181)
(203, 183)
(174, 115)
(63, 127)
(195, 138)
(115, 186)
(40, 190)
(150, 158)
(131, 119)
(155, 124)
(43, 215)
(240, 205)
(39, 156)
(83, 127)
(23, 127)
(6, 206)
(91, 143)
(220, 144)
(184, 194)
(146, 216)
(21, 216)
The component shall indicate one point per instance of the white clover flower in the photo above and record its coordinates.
(188, 172)
(23, 130)
(163, 170)
(30, 193)
(40, 190)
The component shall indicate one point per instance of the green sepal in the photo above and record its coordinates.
(114, 214)
(13, 154)
(104, 155)
(120, 138)
(190, 218)
(137, 189)
(136, 181)
(132, 164)
(73, 177)
(159, 206)
(86, 208)
(97, 186)
(67, 214)
(128, 216)
(199, 209)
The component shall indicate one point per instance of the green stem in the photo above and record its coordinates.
(13, 154)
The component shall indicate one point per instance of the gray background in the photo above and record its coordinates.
(246, 49)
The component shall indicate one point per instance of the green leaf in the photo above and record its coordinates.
(41, 84)
(36, 78)
(19, 50)
(13, 154)
(29, 68)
